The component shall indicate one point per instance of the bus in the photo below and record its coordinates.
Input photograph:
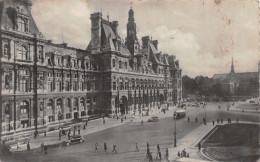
(179, 114)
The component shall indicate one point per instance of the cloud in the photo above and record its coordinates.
(70, 17)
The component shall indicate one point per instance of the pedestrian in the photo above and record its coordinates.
(122, 120)
(45, 148)
(117, 117)
(42, 147)
(105, 147)
(199, 146)
(114, 148)
(142, 122)
(150, 157)
(104, 121)
(96, 146)
(179, 154)
(221, 120)
(18, 145)
(183, 153)
(158, 150)
(167, 154)
(148, 153)
(125, 117)
(69, 135)
(136, 148)
(78, 131)
(237, 120)
(196, 119)
(188, 119)
(213, 122)
(147, 145)
(131, 119)
(45, 134)
(84, 127)
(28, 146)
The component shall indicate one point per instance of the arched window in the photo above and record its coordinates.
(23, 53)
(6, 50)
(114, 63)
(68, 102)
(75, 102)
(59, 103)
(22, 26)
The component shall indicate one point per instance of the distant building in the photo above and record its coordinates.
(43, 83)
(239, 84)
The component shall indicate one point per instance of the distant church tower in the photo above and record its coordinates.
(131, 31)
(232, 67)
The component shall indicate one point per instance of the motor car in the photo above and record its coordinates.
(153, 119)
(179, 114)
(251, 101)
(74, 140)
(183, 105)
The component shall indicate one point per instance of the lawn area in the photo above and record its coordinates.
(233, 142)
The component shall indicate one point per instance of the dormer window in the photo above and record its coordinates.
(22, 24)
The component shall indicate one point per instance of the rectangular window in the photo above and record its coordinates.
(114, 86)
(24, 86)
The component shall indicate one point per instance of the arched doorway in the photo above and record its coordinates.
(161, 99)
(123, 105)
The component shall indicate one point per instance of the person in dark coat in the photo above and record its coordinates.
(42, 147)
(105, 147)
(45, 149)
(179, 154)
(196, 119)
(167, 154)
(188, 119)
(28, 146)
(199, 146)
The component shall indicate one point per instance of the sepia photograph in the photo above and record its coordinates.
(129, 80)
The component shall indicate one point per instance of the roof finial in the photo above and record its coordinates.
(108, 16)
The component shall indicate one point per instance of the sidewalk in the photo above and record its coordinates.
(189, 142)
(245, 107)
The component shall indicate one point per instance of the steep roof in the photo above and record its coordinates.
(11, 9)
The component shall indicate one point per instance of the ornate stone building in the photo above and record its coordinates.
(45, 83)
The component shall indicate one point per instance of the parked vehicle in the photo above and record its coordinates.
(153, 119)
(180, 114)
(251, 101)
(75, 139)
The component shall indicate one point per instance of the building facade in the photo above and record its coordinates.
(239, 85)
(43, 83)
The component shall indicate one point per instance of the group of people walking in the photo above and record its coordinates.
(183, 153)
(158, 155)
(105, 147)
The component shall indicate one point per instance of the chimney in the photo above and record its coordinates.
(95, 32)
(155, 43)
(145, 41)
(114, 26)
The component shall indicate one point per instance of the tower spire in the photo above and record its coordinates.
(232, 67)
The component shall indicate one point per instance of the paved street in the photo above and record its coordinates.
(126, 135)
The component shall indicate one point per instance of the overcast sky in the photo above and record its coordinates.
(203, 34)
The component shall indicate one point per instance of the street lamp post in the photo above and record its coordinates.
(174, 118)
(205, 113)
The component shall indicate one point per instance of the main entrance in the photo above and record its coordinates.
(123, 105)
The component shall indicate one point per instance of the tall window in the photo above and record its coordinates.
(59, 103)
(67, 86)
(50, 104)
(22, 26)
(120, 65)
(114, 63)
(74, 86)
(59, 86)
(23, 53)
(24, 107)
(50, 86)
(82, 101)
(23, 85)
(6, 50)
(114, 85)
